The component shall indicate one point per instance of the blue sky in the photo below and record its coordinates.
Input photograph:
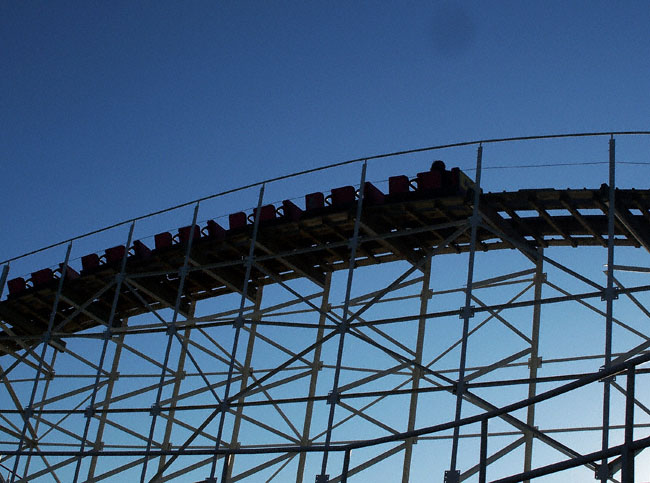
(110, 110)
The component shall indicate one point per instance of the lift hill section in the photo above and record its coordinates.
(292, 242)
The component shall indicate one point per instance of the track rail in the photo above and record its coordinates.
(478, 142)
(245, 375)
(310, 247)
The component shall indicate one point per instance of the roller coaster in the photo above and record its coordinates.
(370, 357)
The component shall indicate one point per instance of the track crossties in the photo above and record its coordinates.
(313, 245)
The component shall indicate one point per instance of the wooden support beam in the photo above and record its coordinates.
(493, 218)
(526, 228)
(93, 311)
(16, 319)
(549, 219)
(159, 293)
(310, 272)
(226, 276)
(393, 244)
(446, 215)
(582, 220)
(639, 232)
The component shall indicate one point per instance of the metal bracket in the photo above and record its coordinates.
(333, 397)
(155, 410)
(610, 378)
(466, 312)
(610, 294)
(31, 443)
(538, 362)
(601, 472)
(418, 372)
(456, 385)
(28, 412)
(89, 412)
(238, 323)
(171, 329)
(322, 478)
(452, 476)
(223, 406)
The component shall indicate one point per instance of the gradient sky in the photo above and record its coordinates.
(110, 110)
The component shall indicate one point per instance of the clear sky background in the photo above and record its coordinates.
(110, 110)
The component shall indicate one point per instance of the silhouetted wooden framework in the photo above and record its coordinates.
(92, 311)
(313, 246)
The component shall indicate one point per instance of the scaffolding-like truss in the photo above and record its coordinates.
(344, 346)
